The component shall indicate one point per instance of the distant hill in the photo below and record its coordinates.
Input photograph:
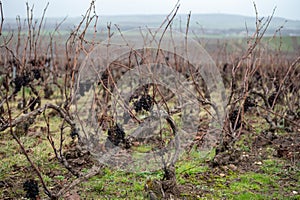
(207, 23)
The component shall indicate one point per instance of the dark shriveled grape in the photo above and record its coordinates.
(144, 103)
(249, 103)
(115, 136)
(36, 73)
(18, 81)
(22, 80)
(31, 188)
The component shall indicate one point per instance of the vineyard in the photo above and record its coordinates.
(149, 113)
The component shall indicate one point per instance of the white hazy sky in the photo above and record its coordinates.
(289, 9)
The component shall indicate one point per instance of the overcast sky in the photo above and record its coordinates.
(289, 9)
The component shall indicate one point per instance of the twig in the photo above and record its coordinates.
(167, 26)
(38, 33)
(2, 18)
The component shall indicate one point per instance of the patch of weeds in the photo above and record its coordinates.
(246, 186)
(254, 185)
(143, 148)
(114, 184)
(200, 156)
(244, 143)
(271, 166)
(249, 195)
(85, 170)
(270, 151)
(258, 123)
(9, 165)
(59, 177)
(191, 168)
(47, 179)
(156, 174)
(9, 148)
(188, 169)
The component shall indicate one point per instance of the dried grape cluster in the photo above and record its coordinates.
(116, 134)
(116, 137)
(25, 78)
(20, 81)
(144, 103)
(104, 79)
(37, 73)
(249, 103)
(31, 188)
